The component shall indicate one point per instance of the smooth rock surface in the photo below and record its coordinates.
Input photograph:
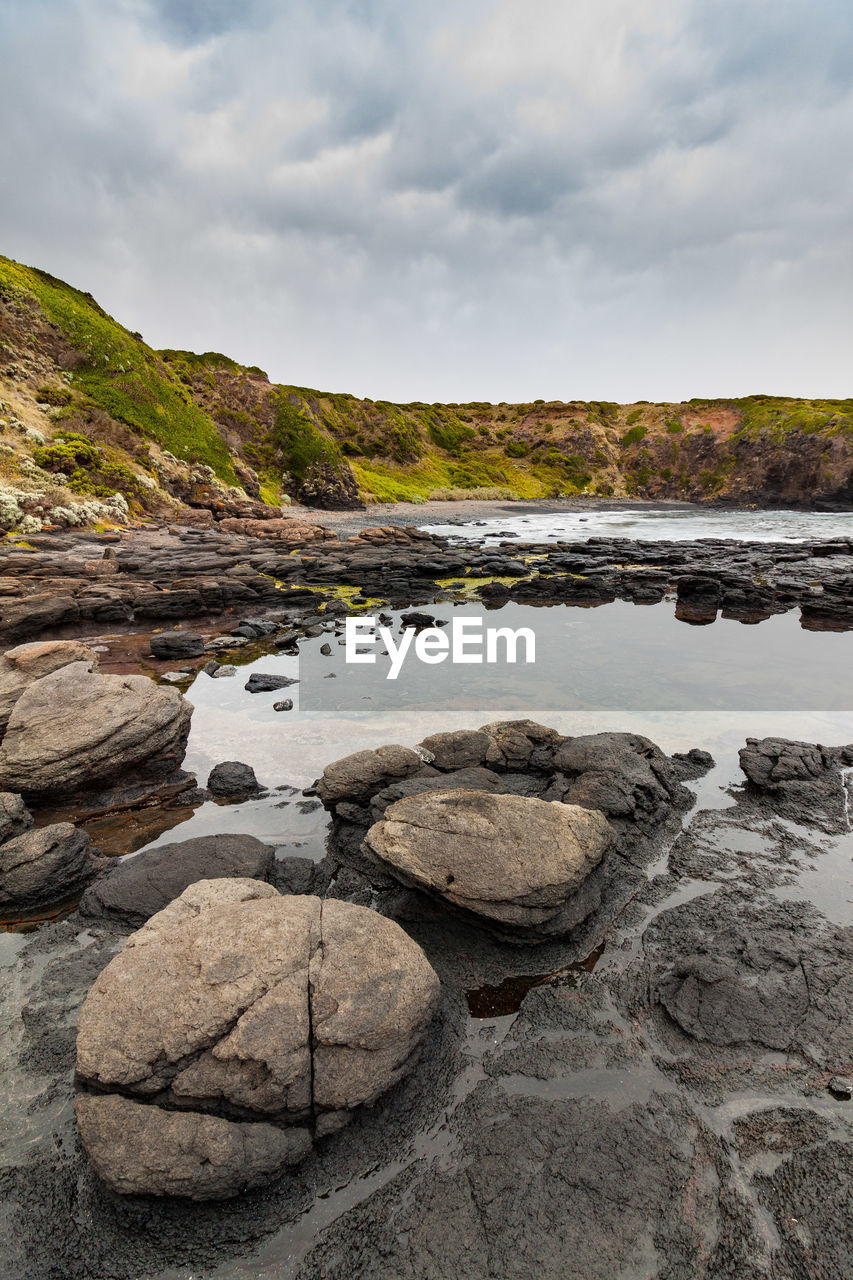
(505, 858)
(45, 865)
(20, 666)
(137, 887)
(74, 729)
(357, 776)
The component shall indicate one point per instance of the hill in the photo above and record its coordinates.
(97, 425)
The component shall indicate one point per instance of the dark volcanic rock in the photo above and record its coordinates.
(45, 866)
(232, 779)
(136, 887)
(802, 778)
(774, 975)
(177, 644)
(623, 774)
(260, 682)
(429, 779)
(570, 1189)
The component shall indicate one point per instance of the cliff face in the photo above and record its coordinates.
(88, 411)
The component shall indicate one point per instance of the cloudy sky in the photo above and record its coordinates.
(609, 199)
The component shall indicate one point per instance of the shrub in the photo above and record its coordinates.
(633, 436)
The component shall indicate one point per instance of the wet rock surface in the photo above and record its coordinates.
(620, 1117)
(177, 644)
(178, 573)
(232, 779)
(45, 866)
(660, 1093)
(236, 1000)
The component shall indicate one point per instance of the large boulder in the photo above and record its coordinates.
(20, 666)
(234, 998)
(45, 866)
(74, 729)
(515, 862)
(136, 887)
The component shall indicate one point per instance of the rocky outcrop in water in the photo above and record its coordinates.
(517, 863)
(799, 776)
(624, 775)
(176, 644)
(233, 780)
(462, 819)
(179, 573)
(233, 1002)
(75, 729)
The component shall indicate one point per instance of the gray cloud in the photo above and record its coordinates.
(617, 198)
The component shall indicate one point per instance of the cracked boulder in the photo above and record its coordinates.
(74, 729)
(259, 1011)
(521, 865)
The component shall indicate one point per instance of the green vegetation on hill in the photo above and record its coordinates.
(119, 373)
(210, 409)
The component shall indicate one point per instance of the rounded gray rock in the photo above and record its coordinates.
(74, 729)
(509, 859)
(45, 865)
(177, 644)
(288, 1009)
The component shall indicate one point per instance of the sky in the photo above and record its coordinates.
(453, 201)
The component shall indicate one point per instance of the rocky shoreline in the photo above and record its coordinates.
(285, 569)
(529, 1016)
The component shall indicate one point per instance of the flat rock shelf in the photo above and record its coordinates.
(534, 975)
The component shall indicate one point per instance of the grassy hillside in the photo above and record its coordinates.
(115, 371)
(117, 416)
